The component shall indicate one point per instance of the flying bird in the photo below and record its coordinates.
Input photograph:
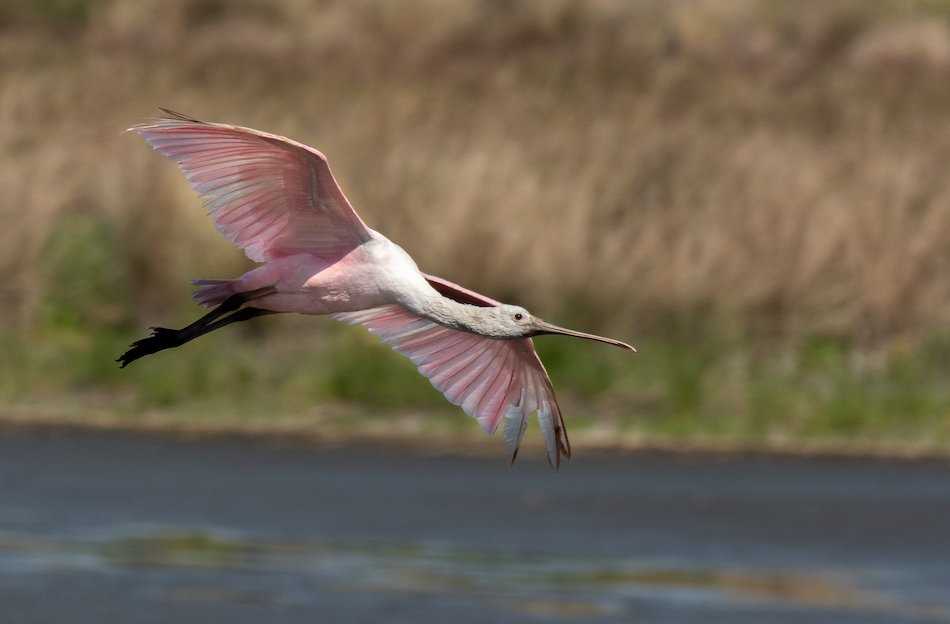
(277, 200)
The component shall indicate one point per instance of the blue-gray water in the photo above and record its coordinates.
(112, 528)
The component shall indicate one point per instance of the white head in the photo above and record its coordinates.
(511, 321)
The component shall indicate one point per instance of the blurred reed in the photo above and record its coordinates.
(778, 165)
(752, 191)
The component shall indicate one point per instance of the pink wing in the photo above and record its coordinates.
(269, 195)
(492, 380)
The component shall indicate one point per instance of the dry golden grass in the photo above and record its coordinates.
(779, 165)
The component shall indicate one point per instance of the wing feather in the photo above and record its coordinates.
(492, 380)
(267, 194)
(541, 383)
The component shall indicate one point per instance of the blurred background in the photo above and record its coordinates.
(755, 193)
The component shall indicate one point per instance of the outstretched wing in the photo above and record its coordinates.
(269, 195)
(493, 380)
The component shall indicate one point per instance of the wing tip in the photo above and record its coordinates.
(175, 115)
(168, 114)
(557, 442)
(559, 451)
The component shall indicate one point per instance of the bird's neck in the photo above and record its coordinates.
(462, 316)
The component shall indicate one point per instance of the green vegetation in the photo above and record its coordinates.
(179, 549)
(751, 192)
(698, 381)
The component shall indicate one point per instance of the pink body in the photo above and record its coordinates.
(308, 284)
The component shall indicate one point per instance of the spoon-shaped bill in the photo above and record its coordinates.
(543, 327)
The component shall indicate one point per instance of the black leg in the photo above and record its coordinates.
(163, 338)
(230, 304)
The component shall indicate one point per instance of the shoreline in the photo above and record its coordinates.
(420, 437)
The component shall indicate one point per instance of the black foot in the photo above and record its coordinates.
(161, 338)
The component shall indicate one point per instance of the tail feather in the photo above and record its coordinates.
(210, 293)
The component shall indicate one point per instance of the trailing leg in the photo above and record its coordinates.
(230, 304)
(164, 338)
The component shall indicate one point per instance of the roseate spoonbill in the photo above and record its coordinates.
(277, 199)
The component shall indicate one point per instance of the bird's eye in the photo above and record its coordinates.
(519, 316)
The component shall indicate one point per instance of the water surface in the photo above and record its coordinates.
(128, 529)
